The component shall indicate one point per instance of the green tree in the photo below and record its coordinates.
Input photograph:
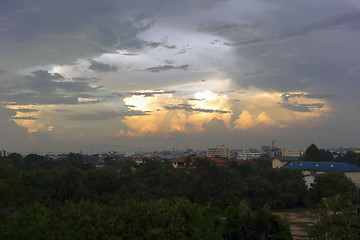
(312, 153)
(232, 224)
(339, 218)
(326, 155)
(350, 157)
(330, 185)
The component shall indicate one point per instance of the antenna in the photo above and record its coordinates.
(273, 143)
(174, 152)
(215, 150)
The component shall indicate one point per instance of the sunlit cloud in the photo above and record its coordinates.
(169, 114)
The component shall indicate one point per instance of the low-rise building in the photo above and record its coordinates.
(311, 169)
(279, 161)
(182, 161)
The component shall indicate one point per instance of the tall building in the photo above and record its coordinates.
(220, 151)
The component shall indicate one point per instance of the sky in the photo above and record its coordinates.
(160, 75)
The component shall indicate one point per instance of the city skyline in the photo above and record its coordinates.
(188, 74)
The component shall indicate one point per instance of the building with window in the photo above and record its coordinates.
(218, 151)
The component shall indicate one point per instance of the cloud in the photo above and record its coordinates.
(303, 107)
(189, 108)
(102, 67)
(247, 120)
(26, 110)
(149, 93)
(106, 115)
(349, 19)
(169, 114)
(290, 102)
(167, 68)
(218, 28)
(42, 87)
(24, 118)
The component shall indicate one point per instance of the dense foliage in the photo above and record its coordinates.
(70, 199)
(339, 218)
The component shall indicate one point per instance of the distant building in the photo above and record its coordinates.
(247, 155)
(279, 161)
(290, 152)
(3, 153)
(137, 160)
(181, 161)
(219, 151)
(311, 169)
(266, 150)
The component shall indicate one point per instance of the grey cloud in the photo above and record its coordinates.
(195, 99)
(319, 95)
(189, 108)
(162, 44)
(89, 28)
(42, 87)
(287, 96)
(102, 67)
(24, 118)
(150, 94)
(43, 81)
(350, 19)
(26, 110)
(2, 71)
(62, 110)
(101, 116)
(302, 107)
(85, 79)
(247, 43)
(167, 68)
(42, 98)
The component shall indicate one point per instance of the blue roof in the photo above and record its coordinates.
(322, 166)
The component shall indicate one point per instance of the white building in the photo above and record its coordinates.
(248, 155)
(3, 153)
(220, 151)
(290, 152)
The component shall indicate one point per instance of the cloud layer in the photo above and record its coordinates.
(145, 72)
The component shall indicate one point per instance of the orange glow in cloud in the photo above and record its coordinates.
(201, 109)
(258, 108)
(246, 120)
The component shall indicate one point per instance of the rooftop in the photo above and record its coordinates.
(322, 166)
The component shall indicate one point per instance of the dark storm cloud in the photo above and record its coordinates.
(85, 29)
(42, 87)
(167, 68)
(26, 110)
(24, 118)
(150, 94)
(287, 96)
(296, 107)
(86, 79)
(43, 81)
(164, 43)
(349, 19)
(103, 115)
(102, 67)
(189, 108)
(302, 107)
